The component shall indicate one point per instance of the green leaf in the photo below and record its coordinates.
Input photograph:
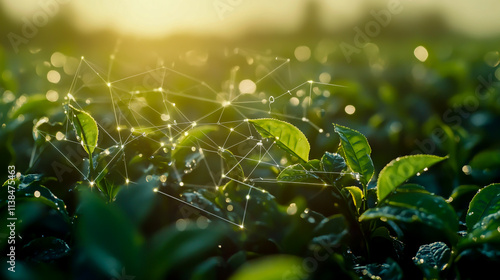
(233, 168)
(45, 249)
(85, 127)
(275, 267)
(404, 215)
(461, 197)
(36, 104)
(106, 235)
(332, 163)
(171, 248)
(43, 128)
(108, 188)
(484, 203)
(432, 258)
(140, 193)
(357, 195)
(207, 269)
(198, 200)
(106, 160)
(335, 224)
(414, 205)
(486, 165)
(464, 191)
(29, 188)
(287, 136)
(388, 270)
(313, 164)
(331, 232)
(192, 137)
(401, 169)
(297, 173)
(486, 231)
(418, 199)
(357, 152)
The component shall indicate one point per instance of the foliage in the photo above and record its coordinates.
(331, 211)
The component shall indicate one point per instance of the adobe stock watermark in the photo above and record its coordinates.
(372, 28)
(225, 7)
(454, 117)
(47, 9)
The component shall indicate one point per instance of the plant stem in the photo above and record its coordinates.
(91, 168)
(364, 204)
(358, 224)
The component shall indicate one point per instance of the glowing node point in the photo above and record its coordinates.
(162, 144)
(118, 128)
(127, 181)
(186, 133)
(122, 146)
(194, 124)
(310, 81)
(173, 104)
(241, 226)
(320, 130)
(248, 197)
(92, 183)
(226, 103)
(223, 175)
(108, 84)
(245, 120)
(155, 190)
(181, 184)
(82, 57)
(231, 129)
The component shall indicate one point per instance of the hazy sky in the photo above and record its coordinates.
(228, 17)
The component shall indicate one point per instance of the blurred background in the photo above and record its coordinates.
(413, 76)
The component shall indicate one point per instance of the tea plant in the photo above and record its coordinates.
(325, 217)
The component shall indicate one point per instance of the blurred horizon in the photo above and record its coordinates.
(235, 18)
